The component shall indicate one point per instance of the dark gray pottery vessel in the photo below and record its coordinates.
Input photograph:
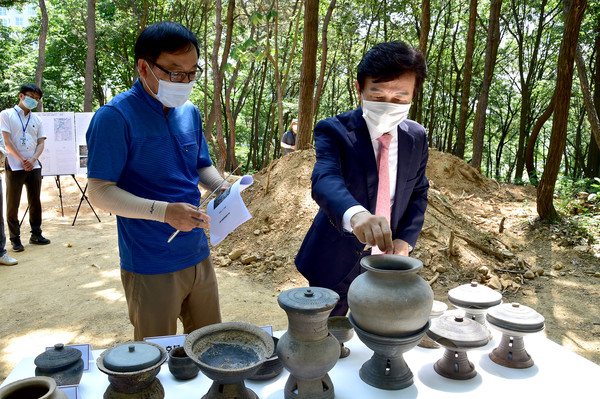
(62, 363)
(271, 368)
(228, 353)
(307, 349)
(181, 366)
(32, 388)
(341, 328)
(140, 383)
(390, 299)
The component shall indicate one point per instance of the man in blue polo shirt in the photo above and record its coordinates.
(147, 155)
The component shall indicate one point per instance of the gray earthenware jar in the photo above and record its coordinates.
(390, 299)
(32, 388)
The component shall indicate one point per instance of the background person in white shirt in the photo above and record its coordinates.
(24, 139)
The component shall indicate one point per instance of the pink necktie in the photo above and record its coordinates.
(383, 189)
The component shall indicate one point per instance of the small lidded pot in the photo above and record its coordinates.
(132, 368)
(62, 363)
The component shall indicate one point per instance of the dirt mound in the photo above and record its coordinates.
(453, 175)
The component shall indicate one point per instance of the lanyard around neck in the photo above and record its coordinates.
(24, 126)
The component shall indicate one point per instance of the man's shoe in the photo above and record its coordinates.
(17, 246)
(7, 260)
(38, 240)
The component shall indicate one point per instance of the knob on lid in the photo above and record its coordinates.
(308, 300)
(57, 357)
(132, 357)
(474, 296)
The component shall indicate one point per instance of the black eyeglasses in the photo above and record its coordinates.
(180, 76)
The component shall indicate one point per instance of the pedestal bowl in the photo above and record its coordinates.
(228, 353)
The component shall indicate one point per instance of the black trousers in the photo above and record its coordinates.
(2, 233)
(15, 180)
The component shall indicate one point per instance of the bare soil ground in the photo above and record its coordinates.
(70, 290)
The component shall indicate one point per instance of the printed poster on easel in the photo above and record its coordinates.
(59, 156)
(65, 148)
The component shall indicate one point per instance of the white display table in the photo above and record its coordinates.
(557, 373)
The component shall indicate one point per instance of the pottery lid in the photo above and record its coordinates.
(458, 332)
(438, 308)
(474, 296)
(308, 300)
(57, 357)
(132, 357)
(515, 317)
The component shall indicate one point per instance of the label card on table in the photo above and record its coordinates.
(268, 329)
(167, 341)
(86, 354)
(72, 391)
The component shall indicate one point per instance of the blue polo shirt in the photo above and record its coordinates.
(155, 156)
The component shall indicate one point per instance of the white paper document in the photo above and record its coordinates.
(227, 211)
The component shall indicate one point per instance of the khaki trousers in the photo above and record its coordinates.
(156, 301)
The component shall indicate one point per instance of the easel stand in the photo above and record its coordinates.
(83, 197)
(62, 211)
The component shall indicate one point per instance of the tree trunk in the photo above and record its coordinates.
(593, 159)
(425, 25)
(527, 76)
(530, 150)
(39, 71)
(216, 115)
(491, 51)
(324, 48)
(564, 80)
(308, 74)
(90, 30)
(457, 87)
(587, 95)
(231, 159)
(432, 108)
(277, 75)
(459, 149)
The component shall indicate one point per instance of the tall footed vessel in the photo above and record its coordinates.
(390, 306)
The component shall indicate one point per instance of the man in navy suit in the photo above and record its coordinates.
(345, 178)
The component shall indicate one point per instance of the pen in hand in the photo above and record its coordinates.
(205, 199)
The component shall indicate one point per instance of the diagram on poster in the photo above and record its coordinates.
(82, 122)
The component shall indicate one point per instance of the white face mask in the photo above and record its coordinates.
(382, 117)
(171, 94)
(30, 103)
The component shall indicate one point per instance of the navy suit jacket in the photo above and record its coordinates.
(344, 175)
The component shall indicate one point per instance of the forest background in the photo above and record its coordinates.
(503, 92)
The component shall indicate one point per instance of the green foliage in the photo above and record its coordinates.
(249, 70)
(579, 202)
(570, 188)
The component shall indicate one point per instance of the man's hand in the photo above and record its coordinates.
(28, 164)
(224, 187)
(184, 217)
(372, 230)
(401, 247)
